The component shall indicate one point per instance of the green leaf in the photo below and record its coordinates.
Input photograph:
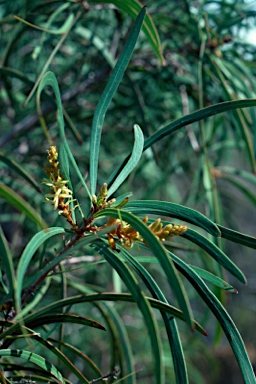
(132, 285)
(64, 28)
(106, 296)
(21, 171)
(72, 368)
(201, 272)
(48, 62)
(132, 162)
(38, 295)
(164, 208)
(201, 114)
(223, 317)
(107, 95)
(170, 323)
(66, 155)
(7, 263)
(119, 334)
(63, 318)
(213, 279)
(132, 8)
(22, 205)
(216, 62)
(8, 71)
(27, 255)
(237, 237)
(160, 252)
(215, 252)
(123, 340)
(51, 349)
(33, 358)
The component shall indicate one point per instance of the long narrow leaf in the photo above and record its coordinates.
(119, 334)
(52, 349)
(50, 79)
(33, 358)
(132, 162)
(27, 255)
(132, 285)
(189, 119)
(133, 7)
(160, 252)
(201, 272)
(21, 171)
(239, 116)
(215, 252)
(22, 205)
(213, 279)
(237, 237)
(164, 208)
(39, 294)
(170, 324)
(107, 95)
(105, 296)
(251, 196)
(223, 317)
(63, 318)
(7, 263)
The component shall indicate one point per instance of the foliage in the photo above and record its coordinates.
(71, 253)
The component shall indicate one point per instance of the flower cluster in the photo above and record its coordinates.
(127, 235)
(100, 202)
(60, 196)
(167, 232)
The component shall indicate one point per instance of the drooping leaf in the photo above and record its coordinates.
(170, 323)
(106, 296)
(160, 252)
(64, 318)
(237, 237)
(215, 252)
(163, 208)
(227, 324)
(33, 358)
(119, 334)
(132, 285)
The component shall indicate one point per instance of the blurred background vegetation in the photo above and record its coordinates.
(207, 59)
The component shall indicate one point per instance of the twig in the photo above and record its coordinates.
(113, 374)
